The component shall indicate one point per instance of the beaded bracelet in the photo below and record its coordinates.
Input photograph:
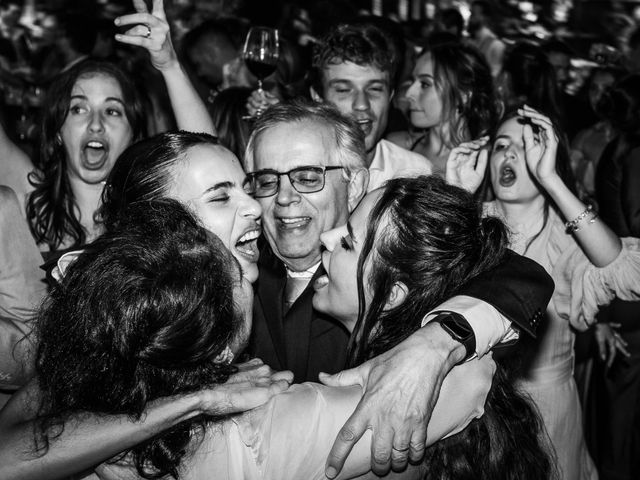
(574, 225)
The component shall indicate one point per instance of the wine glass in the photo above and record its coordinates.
(260, 53)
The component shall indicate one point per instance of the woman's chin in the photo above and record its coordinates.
(250, 272)
(322, 304)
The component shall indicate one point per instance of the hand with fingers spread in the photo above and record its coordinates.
(609, 342)
(149, 30)
(401, 387)
(467, 163)
(541, 147)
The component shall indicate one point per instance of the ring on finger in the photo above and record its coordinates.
(401, 449)
(147, 34)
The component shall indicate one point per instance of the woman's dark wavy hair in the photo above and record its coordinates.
(144, 171)
(432, 237)
(141, 314)
(464, 79)
(51, 208)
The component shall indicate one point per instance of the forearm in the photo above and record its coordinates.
(597, 240)
(189, 109)
(87, 440)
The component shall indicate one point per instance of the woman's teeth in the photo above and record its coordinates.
(95, 154)
(247, 244)
(247, 237)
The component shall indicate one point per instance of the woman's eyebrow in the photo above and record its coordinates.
(218, 186)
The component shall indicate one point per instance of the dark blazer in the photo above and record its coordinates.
(308, 342)
(303, 340)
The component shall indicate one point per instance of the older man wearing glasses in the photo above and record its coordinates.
(306, 166)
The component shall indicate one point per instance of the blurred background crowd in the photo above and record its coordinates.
(40, 38)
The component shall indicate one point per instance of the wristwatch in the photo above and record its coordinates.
(457, 326)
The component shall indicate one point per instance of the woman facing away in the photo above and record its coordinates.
(92, 112)
(170, 281)
(452, 100)
(588, 262)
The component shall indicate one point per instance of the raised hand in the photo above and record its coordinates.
(540, 147)
(149, 30)
(467, 163)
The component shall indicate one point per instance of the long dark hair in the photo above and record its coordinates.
(464, 79)
(143, 172)
(432, 237)
(169, 312)
(51, 208)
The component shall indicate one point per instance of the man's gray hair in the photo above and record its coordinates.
(349, 147)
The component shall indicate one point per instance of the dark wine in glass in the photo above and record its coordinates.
(261, 69)
(260, 54)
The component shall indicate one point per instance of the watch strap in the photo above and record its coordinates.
(459, 329)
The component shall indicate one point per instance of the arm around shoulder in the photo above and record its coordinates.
(519, 288)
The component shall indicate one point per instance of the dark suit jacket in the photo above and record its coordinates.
(303, 340)
(308, 342)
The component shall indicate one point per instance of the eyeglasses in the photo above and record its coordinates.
(307, 179)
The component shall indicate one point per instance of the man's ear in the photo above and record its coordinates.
(393, 92)
(398, 294)
(357, 188)
(315, 95)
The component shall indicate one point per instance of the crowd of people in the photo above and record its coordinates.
(398, 258)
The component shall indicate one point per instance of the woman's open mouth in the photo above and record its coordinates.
(507, 176)
(95, 154)
(247, 245)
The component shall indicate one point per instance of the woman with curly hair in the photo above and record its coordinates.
(452, 100)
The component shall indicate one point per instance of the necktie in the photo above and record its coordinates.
(293, 289)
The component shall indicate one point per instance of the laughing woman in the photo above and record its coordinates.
(588, 262)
